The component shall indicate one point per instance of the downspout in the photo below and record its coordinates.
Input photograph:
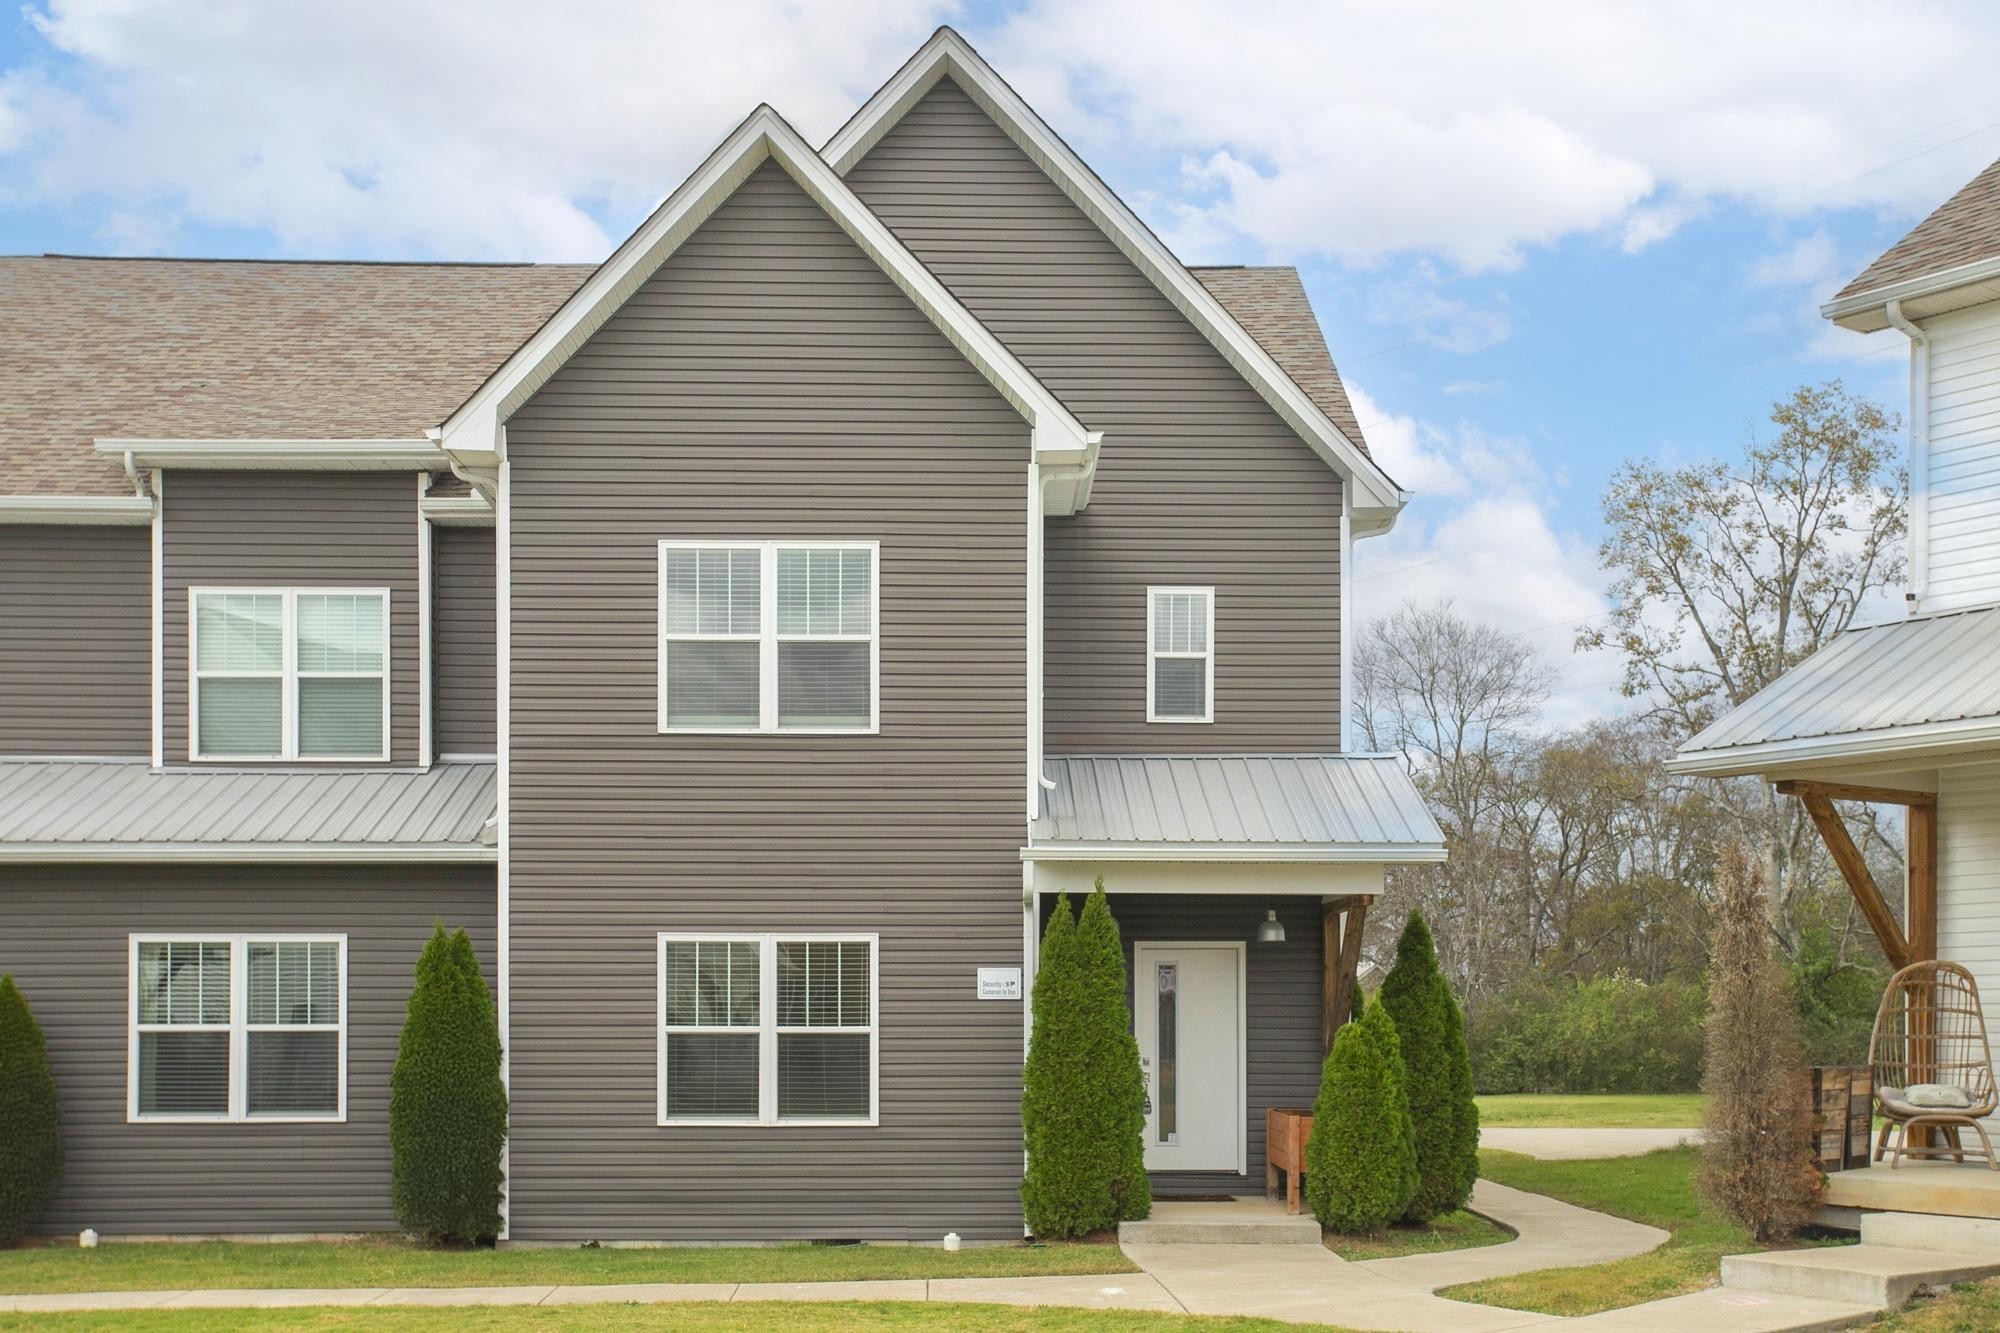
(132, 475)
(1040, 478)
(488, 487)
(1920, 451)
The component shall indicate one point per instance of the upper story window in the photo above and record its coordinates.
(1180, 654)
(289, 673)
(769, 636)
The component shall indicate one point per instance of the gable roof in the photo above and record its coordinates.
(1270, 302)
(475, 432)
(1956, 246)
(1375, 496)
(210, 349)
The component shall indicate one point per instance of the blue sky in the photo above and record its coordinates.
(1540, 240)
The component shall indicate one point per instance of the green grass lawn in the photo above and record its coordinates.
(1454, 1231)
(693, 1317)
(1661, 1110)
(386, 1262)
(1970, 1307)
(1657, 1189)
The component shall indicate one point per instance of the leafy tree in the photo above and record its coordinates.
(447, 1107)
(1083, 1098)
(1437, 1076)
(31, 1157)
(1361, 1157)
(1757, 1129)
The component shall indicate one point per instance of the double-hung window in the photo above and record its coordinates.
(289, 673)
(238, 1027)
(1180, 654)
(767, 1029)
(769, 636)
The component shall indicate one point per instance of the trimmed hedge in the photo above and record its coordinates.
(447, 1107)
(31, 1156)
(1438, 1079)
(1082, 1096)
(1361, 1157)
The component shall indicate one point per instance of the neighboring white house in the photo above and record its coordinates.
(1909, 712)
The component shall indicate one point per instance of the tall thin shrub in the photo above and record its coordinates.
(31, 1156)
(1361, 1157)
(1438, 1077)
(1757, 1158)
(447, 1107)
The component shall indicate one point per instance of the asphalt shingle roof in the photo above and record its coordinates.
(1270, 303)
(1964, 229)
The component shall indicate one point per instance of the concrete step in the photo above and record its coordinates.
(1883, 1276)
(1239, 1222)
(1932, 1231)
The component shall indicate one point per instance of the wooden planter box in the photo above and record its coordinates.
(1843, 1115)
(1285, 1131)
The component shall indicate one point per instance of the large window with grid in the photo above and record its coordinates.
(769, 636)
(288, 673)
(767, 1029)
(238, 1027)
(1180, 654)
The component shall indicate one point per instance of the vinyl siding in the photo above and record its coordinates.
(1282, 1005)
(63, 934)
(1963, 498)
(769, 382)
(1969, 875)
(462, 640)
(1199, 482)
(76, 640)
(293, 529)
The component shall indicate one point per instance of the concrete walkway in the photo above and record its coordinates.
(1548, 1234)
(1570, 1145)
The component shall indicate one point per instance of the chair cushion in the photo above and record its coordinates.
(1948, 1095)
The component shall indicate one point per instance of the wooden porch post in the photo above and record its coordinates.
(1341, 923)
(1920, 907)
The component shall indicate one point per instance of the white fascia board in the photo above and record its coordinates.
(946, 53)
(135, 510)
(1846, 308)
(457, 511)
(283, 455)
(478, 427)
(381, 853)
(1892, 742)
(1386, 853)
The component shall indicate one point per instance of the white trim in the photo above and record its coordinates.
(458, 511)
(1241, 949)
(767, 637)
(476, 430)
(1922, 740)
(1910, 289)
(1348, 646)
(1235, 880)
(1329, 853)
(1207, 656)
(423, 632)
(127, 510)
(1036, 649)
(503, 709)
(238, 1027)
(283, 455)
(288, 674)
(159, 755)
(947, 53)
(768, 1029)
(224, 853)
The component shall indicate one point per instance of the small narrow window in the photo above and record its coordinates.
(288, 673)
(767, 1029)
(238, 1027)
(1180, 657)
(711, 637)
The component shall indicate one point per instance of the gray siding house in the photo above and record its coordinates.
(745, 639)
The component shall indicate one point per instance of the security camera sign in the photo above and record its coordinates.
(999, 983)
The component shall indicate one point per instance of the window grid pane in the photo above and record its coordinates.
(339, 632)
(1180, 622)
(1180, 687)
(823, 983)
(711, 983)
(239, 632)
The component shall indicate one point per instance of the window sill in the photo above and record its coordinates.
(132, 1119)
(677, 1123)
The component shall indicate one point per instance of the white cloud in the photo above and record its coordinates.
(1811, 259)
(1424, 314)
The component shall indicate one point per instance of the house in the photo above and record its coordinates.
(1908, 712)
(744, 639)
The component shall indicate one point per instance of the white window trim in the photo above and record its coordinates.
(239, 1027)
(768, 1028)
(768, 638)
(1153, 594)
(288, 672)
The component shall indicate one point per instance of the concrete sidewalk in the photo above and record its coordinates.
(1570, 1145)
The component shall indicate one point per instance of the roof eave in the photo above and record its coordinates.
(1374, 853)
(251, 853)
(134, 510)
(322, 455)
(1867, 311)
(1923, 741)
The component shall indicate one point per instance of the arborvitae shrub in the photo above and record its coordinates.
(31, 1158)
(1361, 1158)
(1439, 1078)
(1082, 1098)
(447, 1108)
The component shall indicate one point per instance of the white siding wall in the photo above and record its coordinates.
(1957, 506)
(1969, 879)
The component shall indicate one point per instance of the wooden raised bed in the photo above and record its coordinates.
(1285, 1131)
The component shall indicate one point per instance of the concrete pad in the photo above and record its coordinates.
(1572, 1145)
(1550, 1234)
(1719, 1310)
(465, 1296)
(899, 1289)
(1882, 1276)
(1955, 1189)
(641, 1293)
(57, 1302)
(251, 1298)
(1126, 1291)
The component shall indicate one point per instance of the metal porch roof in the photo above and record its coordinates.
(1331, 807)
(92, 811)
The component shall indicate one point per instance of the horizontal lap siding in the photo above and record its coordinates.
(1968, 831)
(1282, 1007)
(462, 648)
(63, 934)
(1962, 499)
(293, 529)
(769, 382)
(1199, 482)
(76, 640)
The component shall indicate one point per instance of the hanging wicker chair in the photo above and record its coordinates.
(1933, 1067)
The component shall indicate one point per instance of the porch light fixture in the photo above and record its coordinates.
(1271, 930)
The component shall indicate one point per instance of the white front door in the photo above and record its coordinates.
(1188, 1012)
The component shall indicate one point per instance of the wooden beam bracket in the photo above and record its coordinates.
(1854, 868)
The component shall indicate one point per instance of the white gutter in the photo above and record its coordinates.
(1342, 853)
(1910, 289)
(1920, 451)
(281, 455)
(1914, 741)
(1040, 478)
(229, 852)
(66, 509)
